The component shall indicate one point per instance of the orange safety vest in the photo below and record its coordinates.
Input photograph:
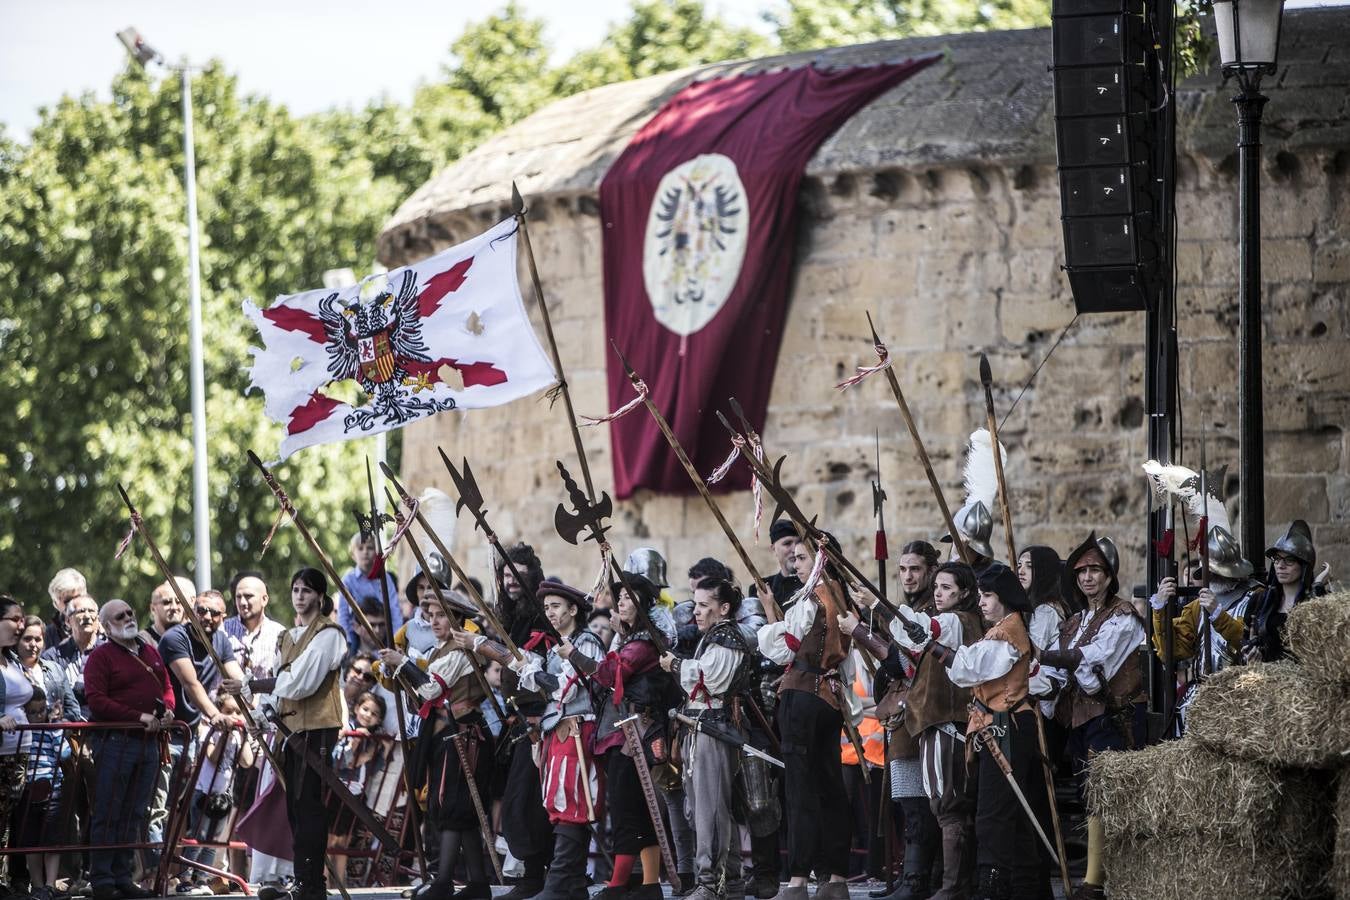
(869, 730)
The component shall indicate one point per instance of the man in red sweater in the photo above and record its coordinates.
(124, 681)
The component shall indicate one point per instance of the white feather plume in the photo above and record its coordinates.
(439, 510)
(980, 475)
(1184, 484)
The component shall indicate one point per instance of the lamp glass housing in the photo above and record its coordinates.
(1257, 23)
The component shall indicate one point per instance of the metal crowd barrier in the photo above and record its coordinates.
(71, 770)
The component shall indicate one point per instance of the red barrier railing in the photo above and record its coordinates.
(78, 753)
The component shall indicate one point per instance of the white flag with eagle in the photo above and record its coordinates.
(448, 332)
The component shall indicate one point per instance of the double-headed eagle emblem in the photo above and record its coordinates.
(378, 343)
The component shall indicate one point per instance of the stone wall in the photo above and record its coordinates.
(954, 257)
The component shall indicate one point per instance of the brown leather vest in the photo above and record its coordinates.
(1121, 690)
(1008, 690)
(822, 649)
(933, 699)
(321, 709)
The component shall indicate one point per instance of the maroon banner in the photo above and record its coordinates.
(700, 216)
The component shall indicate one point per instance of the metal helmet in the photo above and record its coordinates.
(1108, 548)
(437, 568)
(976, 526)
(1298, 543)
(1225, 556)
(647, 562)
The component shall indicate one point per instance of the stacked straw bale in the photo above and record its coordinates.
(1255, 801)
(1181, 821)
(1277, 714)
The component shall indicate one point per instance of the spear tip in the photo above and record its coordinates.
(517, 201)
(626, 367)
(876, 339)
(986, 374)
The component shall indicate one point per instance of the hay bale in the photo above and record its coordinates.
(1318, 635)
(1177, 788)
(1182, 821)
(1271, 713)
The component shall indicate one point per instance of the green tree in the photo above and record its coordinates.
(659, 37)
(809, 24)
(93, 326)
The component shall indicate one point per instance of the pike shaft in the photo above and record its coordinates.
(771, 609)
(557, 357)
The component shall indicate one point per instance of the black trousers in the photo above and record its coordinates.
(819, 826)
(1004, 835)
(310, 820)
(630, 821)
(524, 820)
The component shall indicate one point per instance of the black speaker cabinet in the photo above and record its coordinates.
(1108, 93)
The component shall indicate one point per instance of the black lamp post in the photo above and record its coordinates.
(1249, 40)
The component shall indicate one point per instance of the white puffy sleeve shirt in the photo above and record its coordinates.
(308, 670)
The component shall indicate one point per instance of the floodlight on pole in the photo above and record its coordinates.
(144, 54)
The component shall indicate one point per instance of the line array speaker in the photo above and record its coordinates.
(1109, 95)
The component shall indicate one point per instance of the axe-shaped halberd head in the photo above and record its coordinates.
(369, 524)
(466, 486)
(587, 516)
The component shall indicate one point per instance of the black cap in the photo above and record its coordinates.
(780, 529)
(1001, 580)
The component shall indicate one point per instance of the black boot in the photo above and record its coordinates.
(442, 887)
(914, 882)
(532, 882)
(566, 879)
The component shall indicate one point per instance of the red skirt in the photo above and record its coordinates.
(571, 783)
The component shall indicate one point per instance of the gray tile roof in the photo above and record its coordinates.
(988, 101)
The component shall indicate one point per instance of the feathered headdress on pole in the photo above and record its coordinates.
(1179, 482)
(980, 476)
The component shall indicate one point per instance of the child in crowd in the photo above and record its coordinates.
(213, 796)
(38, 818)
(357, 755)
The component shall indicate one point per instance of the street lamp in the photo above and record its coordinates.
(1249, 41)
(144, 54)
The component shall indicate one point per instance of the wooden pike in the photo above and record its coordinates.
(905, 414)
(375, 520)
(987, 381)
(771, 609)
(190, 612)
(488, 615)
(518, 211)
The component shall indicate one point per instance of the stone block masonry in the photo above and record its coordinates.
(937, 210)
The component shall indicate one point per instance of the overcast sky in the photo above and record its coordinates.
(307, 54)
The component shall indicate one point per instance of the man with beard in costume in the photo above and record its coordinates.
(1097, 662)
(525, 824)
(784, 583)
(722, 667)
(918, 564)
(1224, 603)
(571, 780)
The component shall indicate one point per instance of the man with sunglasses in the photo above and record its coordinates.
(192, 670)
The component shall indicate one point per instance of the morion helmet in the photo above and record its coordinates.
(1225, 556)
(647, 562)
(976, 526)
(1296, 542)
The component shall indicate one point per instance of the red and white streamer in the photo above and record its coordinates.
(600, 576)
(125, 543)
(757, 489)
(276, 525)
(863, 372)
(403, 523)
(622, 410)
(721, 471)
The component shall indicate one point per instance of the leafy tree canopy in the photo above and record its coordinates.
(93, 246)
